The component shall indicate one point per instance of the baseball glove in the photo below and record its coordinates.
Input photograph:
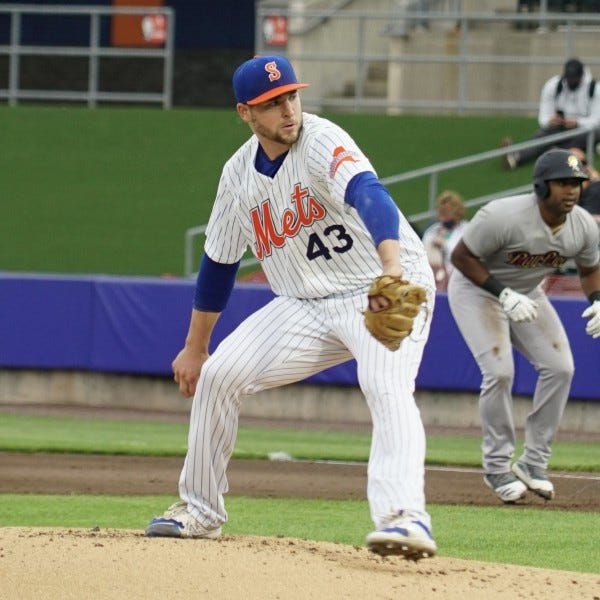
(392, 324)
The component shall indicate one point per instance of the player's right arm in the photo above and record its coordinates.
(482, 237)
(213, 288)
(223, 246)
(468, 264)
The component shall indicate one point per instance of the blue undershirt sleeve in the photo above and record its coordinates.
(214, 284)
(375, 206)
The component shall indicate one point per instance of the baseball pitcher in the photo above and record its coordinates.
(351, 280)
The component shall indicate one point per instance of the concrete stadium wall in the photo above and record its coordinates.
(520, 83)
(304, 402)
(329, 56)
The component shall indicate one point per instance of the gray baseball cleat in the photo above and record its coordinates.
(535, 478)
(403, 535)
(178, 522)
(506, 486)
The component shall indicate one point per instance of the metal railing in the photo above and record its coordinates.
(188, 251)
(94, 52)
(432, 172)
(462, 62)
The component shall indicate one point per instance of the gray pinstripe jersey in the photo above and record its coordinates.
(310, 242)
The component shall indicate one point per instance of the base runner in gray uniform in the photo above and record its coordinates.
(496, 298)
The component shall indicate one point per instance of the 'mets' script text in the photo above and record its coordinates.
(267, 234)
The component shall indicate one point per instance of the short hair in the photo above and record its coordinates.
(453, 200)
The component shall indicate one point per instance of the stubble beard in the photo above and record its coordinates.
(286, 139)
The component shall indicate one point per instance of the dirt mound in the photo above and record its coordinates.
(113, 564)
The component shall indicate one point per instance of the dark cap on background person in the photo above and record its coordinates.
(264, 77)
(573, 71)
(556, 163)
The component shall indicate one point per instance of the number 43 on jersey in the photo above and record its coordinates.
(267, 234)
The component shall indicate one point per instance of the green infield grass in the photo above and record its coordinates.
(26, 433)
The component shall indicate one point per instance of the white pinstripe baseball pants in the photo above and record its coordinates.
(286, 341)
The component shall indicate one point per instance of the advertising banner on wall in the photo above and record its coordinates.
(275, 31)
(138, 30)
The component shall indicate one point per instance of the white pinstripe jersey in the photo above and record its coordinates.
(310, 242)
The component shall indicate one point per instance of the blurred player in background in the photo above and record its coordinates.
(441, 237)
(590, 190)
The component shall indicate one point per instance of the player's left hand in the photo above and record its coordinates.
(593, 314)
(393, 305)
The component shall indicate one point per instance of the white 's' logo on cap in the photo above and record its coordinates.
(273, 71)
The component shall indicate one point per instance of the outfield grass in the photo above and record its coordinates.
(112, 190)
(26, 433)
(495, 534)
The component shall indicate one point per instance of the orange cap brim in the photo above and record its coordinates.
(283, 89)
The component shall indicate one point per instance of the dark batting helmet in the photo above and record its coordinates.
(556, 164)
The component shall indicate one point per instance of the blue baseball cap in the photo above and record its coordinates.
(264, 77)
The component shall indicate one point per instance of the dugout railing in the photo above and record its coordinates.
(432, 173)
